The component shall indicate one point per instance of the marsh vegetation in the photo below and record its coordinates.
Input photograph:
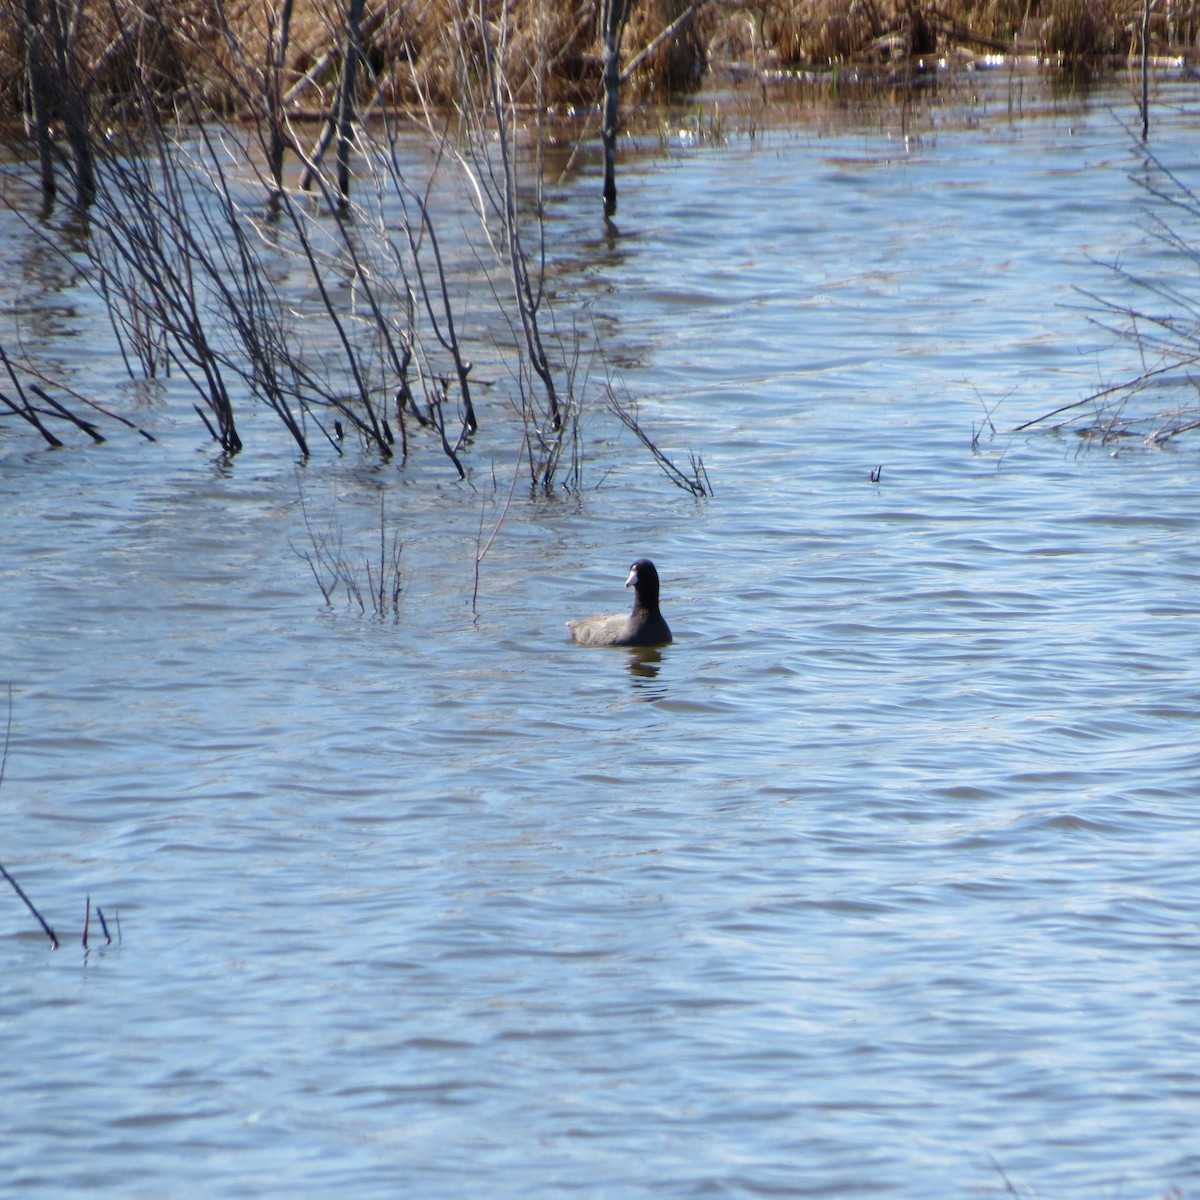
(203, 201)
(218, 160)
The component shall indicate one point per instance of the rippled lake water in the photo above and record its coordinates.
(881, 880)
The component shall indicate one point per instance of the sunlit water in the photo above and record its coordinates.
(880, 881)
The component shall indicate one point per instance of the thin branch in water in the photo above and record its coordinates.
(987, 422)
(697, 483)
(331, 567)
(7, 734)
(29, 905)
(318, 558)
(67, 414)
(1166, 339)
(25, 408)
(1008, 1187)
(481, 553)
(15, 885)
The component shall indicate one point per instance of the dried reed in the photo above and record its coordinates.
(60, 59)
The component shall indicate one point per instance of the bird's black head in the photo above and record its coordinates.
(643, 578)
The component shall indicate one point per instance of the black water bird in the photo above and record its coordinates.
(643, 627)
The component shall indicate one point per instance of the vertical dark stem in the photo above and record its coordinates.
(37, 70)
(462, 368)
(277, 140)
(77, 119)
(527, 303)
(345, 114)
(1146, 68)
(72, 97)
(612, 26)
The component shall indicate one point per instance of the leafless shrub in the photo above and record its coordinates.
(189, 234)
(490, 161)
(1161, 400)
(371, 581)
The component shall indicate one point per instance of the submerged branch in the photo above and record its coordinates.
(16, 887)
(376, 583)
(697, 482)
(1166, 339)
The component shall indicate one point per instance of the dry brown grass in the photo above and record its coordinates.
(215, 49)
(823, 32)
(1081, 30)
(820, 32)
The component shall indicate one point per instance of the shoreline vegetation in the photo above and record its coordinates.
(215, 56)
(73, 72)
(177, 146)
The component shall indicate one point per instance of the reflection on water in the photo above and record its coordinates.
(644, 665)
(891, 887)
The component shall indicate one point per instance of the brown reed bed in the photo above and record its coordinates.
(415, 50)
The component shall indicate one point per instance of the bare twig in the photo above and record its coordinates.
(24, 408)
(15, 885)
(1008, 1187)
(375, 584)
(29, 905)
(481, 553)
(669, 32)
(1166, 339)
(697, 483)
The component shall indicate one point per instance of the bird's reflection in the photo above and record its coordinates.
(644, 665)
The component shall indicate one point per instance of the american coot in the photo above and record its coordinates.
(643, 627)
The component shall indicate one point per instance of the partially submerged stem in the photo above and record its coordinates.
(480, 554)
(16, 887)
(697, 482)
(613, 15)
